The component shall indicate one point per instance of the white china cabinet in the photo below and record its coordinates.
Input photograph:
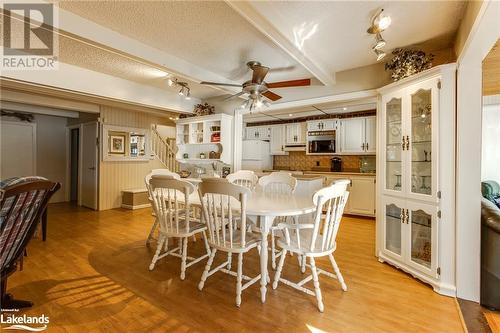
(415, 215)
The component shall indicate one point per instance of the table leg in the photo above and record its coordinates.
(265, 223)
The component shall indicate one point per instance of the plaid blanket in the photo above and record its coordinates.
(16, 213)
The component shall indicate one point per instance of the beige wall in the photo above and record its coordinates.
(466, 24)
(117, 176)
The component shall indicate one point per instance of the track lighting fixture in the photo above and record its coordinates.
(379, 23)
(184, 90)
(380, 54)
(379, 42)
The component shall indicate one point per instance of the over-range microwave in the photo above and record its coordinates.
(321, 142)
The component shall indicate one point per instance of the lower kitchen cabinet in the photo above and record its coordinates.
(362, 196)
(361, 193)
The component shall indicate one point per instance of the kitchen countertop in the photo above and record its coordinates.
(330, 173)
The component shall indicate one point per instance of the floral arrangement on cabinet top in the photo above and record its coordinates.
(406, 62)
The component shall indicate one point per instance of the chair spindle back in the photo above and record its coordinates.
(224, 205)
(170, 199)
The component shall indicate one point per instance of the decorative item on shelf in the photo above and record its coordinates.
(226, 170)
(185, 155)
(407, 62)
(213, 155)
(202, 156)
(184, 173)
(204, 109)
(215, 137)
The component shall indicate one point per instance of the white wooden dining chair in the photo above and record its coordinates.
(164, 172)
(245, 178)
(224, 205)
(176, 219)
(317, 239)
(277, 183)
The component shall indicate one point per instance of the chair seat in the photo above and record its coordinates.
(183, 231)
(251, 240)
(305, 242)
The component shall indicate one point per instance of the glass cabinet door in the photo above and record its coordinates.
(393, 219)
(393, 144)
(422, 234)
(420, 140)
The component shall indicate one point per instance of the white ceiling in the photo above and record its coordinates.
(336, 30)
(214, 36)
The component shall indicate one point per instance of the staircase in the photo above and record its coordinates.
(164, 150)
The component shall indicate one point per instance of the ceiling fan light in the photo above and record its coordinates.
(379, 42)
(188, 94)
(181, 92)
(170, 82)
(380, 54)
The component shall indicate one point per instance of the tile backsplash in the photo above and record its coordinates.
(298, 160)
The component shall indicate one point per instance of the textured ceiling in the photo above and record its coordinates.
(209, 34)
(93, 57)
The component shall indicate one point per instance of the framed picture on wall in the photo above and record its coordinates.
(117, 144)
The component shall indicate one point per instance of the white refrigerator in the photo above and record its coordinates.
(256, 155)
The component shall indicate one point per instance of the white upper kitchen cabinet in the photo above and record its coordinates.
(296, 133)
(322, 125)
(258, 133)
(278, 140)
(358, 135)
(352, 135)
(371, 135)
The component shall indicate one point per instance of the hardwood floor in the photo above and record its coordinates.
(493, 318)
(92, 275)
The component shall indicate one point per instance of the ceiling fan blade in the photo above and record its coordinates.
(281, 69)
(220, 84)
(233, 96)
(291, 83)
(272, 96)
(259, 73)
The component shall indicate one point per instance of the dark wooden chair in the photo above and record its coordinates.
(22, 203)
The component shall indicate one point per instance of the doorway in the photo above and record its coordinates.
(74, 156)
(83, 164)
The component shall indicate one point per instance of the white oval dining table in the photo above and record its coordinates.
(265, 207)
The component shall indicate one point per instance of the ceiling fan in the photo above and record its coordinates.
(257, 87)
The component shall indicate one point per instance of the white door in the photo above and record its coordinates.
(370, 134)
(362, 196)
(352, 136)
(90, 165)
(18, 149)
(422, 140)
(393, 210)
(301, 129)
(421, 237)
(277, 140)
